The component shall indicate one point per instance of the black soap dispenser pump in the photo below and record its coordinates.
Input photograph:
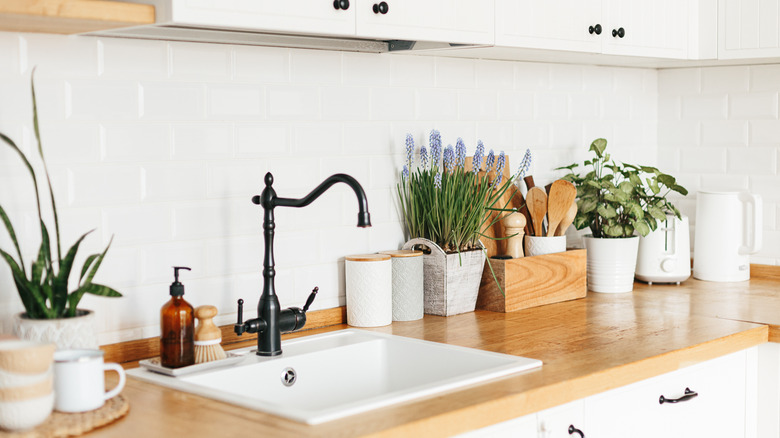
(177, 327)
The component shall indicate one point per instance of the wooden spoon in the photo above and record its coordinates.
(562, 194)
(567, 220)
(536, 199)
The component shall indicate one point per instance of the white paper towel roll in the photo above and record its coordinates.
(369, 280)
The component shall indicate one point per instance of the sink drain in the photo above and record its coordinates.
(289, 376)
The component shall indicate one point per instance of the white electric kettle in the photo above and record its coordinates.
(728, 230)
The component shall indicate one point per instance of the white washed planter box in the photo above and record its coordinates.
(451, 281)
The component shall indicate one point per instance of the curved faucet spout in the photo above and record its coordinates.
(271, 201)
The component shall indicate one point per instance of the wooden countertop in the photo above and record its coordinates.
(71, 16)
(588, 346)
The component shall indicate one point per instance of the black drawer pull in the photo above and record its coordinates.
(573, 430)
(688, 395)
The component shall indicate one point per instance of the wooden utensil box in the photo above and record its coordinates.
(533, 281)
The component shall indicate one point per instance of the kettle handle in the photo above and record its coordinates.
(755, 202)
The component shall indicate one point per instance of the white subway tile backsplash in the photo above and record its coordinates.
(679, 133)
(238, 255)
(565, 134)
(566, 78)
(679, 82)
(766, 186)
(437, 104)
(293, 102)
(703, 160)
(731, 132)
(335, 243)
(616, 107)
(386, 236)
(752, 161)
(157, 261)
(764, 77)
(368, 138)
(532, 77)
(226, 179)
(366, 69)
(725, 79)
(199, 61)
(70, 143)
(585, 107)
(412, 71)
(174, 181)
(317, 139)
(392, 104)
(172, 101)
(217, 218)
(513, 105)
(239, 102)
(57, 55)
(531, 134)
(202, 141)
(455, 73)
(495, 75)
(135, 224)
(723, 182)
(343, 103)
(315, 66)
(753, 106)
(498, 134)
(9, 55)
(628, 80)
(132, 142)
(132, 59)
(271, 65)
(705, 106)
(477, 105)
(669, 108)
(259, 140)
(764, 131)
(552, 106)
(104, 100)
(598, 79)
(90, 186)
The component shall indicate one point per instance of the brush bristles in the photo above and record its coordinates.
(208, 353)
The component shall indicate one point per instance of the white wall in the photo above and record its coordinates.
(718, 129)
(162, 146)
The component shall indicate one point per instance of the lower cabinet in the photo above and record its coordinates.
(720, 397)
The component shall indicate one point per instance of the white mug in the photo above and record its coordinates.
(79, 383)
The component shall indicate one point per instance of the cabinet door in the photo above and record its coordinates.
(558, 24)
(748, 29)
(657, 28)
(717, 410)
(517, 428)
(452, 21)
(312, 17)
(555, 422)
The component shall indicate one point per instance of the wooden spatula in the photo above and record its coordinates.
(562, 194)
(536, 199)
(567, 220)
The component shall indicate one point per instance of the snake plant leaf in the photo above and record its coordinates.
(97, 263)
(87, 264)
(60, 284)
(38, 266)
(10, 228)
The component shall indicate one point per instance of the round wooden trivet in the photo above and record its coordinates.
(61, 424)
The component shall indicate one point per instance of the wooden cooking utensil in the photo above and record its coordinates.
(562, 194)
(567, 220)
(536, 199)
(529, 182)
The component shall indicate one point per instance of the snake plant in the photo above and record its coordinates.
(43, 287)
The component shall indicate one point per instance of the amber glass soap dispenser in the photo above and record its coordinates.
(177, 324)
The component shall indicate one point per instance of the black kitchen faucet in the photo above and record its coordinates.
(271, 322)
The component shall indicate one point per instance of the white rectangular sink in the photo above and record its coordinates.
(343, 373)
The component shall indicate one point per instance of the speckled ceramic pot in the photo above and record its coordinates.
(65, 333)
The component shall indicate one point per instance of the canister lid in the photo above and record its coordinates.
(402, 253)
(367, 257)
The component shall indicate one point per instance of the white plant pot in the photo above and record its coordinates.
(611, 263)
(67, 333)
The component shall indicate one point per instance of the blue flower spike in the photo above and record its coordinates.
(449, 159)
(476, 162)
(500, 168)
(409, 150)
(460, 153)
(435, 142)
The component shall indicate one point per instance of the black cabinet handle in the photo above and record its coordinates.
(341, 4)
(573, 430)
(594, 29)
(688, 395)
(620, 32)
(381, 8)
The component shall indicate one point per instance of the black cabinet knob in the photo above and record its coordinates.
(620, 33)
(573, 430)
(341, 4)
(381, 8)
(595, 29)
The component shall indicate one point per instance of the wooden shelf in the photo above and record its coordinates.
(71, 16)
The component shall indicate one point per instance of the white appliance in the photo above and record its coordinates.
(728, 230)
(665, 254)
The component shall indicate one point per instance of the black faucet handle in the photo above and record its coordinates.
(239, 327)
(311, 298)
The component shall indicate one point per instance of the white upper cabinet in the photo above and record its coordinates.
(452, 21)
(559, 25)
(307, 17)
(657, 28)
(748, 29)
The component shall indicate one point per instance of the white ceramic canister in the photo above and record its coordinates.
(408, 290)
(369, 279)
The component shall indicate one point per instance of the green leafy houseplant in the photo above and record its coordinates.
(43, 288)
(447, 204)
(613, 198)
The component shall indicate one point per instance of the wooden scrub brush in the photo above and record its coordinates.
(207, 336)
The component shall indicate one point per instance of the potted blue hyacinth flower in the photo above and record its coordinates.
(446, 209)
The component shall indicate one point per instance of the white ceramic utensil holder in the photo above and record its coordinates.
(369, 290)
(407, 284)
(541, 245)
